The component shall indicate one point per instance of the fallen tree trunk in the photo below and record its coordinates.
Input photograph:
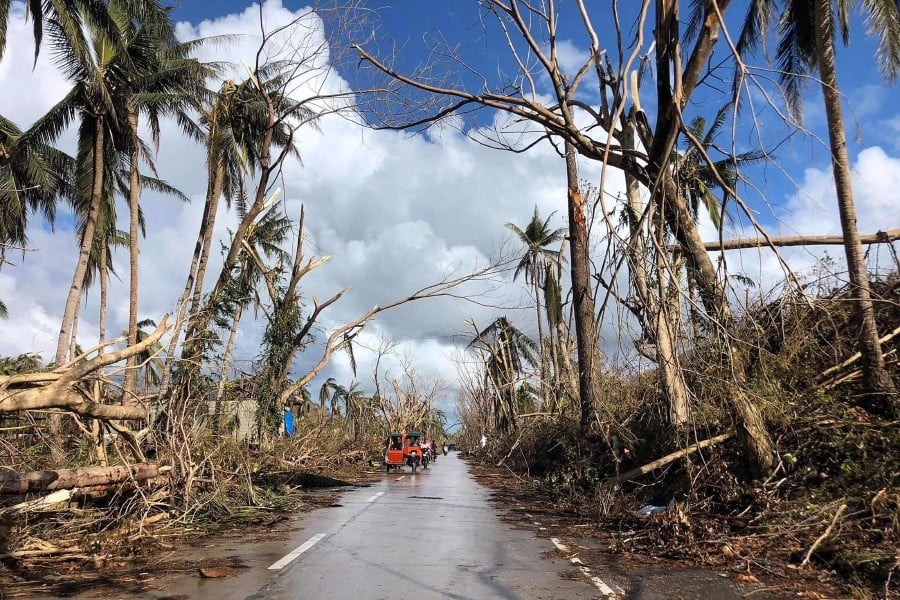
(25, 392)
(62, 479)
(661, 462)
(881, 237)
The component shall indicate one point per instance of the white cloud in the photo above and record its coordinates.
(812, 210)
(396, 212)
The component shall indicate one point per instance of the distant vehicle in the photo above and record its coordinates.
(404, 449)
(393, 456)
(415, 454)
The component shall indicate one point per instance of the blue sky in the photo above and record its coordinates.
(396, 211)
(871, 106)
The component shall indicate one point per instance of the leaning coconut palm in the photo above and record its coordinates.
(806, 32)
(99, 98)
(251, 127)
(236, 125)
(506, 351)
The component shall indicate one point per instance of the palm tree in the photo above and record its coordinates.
(23, 363)
(251, 126)
(172, 84)
(806, 31)
(506, 350)
(537, 259)
(64, 19)
(698, 179)
(99, 98)
(355, 407)
(33, 176)
(326, 391)
(235, 123)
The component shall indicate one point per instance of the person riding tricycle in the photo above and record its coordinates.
(404, 449)
(415, 455)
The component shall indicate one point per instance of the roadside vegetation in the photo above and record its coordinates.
(759, 429)
(828, 513)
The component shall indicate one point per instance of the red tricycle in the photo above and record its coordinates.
(404, 449)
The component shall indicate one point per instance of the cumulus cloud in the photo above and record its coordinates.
(396, 212)
(812, 210)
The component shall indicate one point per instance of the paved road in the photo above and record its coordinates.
(425, 536)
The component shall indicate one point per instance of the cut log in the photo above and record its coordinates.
(62, 479)
(661, 462)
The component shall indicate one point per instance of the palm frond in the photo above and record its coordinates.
(883, 20)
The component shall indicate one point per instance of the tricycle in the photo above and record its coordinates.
(404, 449)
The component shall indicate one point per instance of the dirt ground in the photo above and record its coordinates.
(169, 549)
(636, 544)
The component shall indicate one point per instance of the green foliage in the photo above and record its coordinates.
(23, 363)
(279, 338)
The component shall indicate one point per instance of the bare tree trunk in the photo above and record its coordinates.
(48, 481)
(223, 372)
(87, 240)
(585, 328)
(881, 396)
(134, 195)
(673, 89)
(104, 292)
(201, 315)
(542, 354)
(666, 329)
(563, 342)
(657, 315)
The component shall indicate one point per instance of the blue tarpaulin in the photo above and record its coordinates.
(289, 423)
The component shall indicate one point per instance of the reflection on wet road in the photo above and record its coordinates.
(431, 534)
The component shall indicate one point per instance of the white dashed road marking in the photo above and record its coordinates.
(399, 478)
(375, 497)
(293, 554)
(600, 585)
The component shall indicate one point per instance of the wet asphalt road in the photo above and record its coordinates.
(425, 536)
